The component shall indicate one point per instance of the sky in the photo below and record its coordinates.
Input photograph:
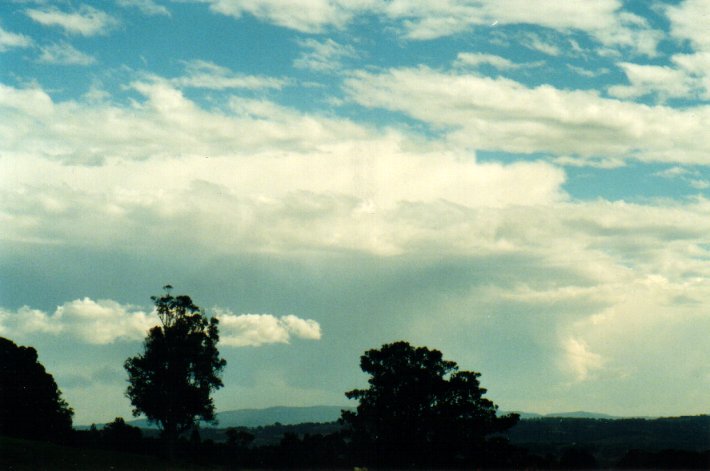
(524, 186)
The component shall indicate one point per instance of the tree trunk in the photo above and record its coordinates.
(169, 438)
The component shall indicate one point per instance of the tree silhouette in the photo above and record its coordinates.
(31, 404)
(120, 436)
(420, 410)
(172, 380)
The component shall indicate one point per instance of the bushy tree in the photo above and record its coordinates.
(118, 435)
(172, 380)
(31, 404)
(420, 410)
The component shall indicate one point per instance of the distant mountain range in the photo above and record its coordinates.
(566, 415)
(282, 415)
(323, 414)
(269, 416)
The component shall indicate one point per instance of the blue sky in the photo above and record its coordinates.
(522, 185)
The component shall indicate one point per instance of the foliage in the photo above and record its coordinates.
(172, 380)
(31, 404)
(120, 436)
(610, 439)
(421, 410)
(239, 439)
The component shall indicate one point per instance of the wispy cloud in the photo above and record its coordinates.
(323, 56)
(86, 21)
(475, 59)
(208, 75)
(308, 16)
(147, 7)
(587, 72)
(538, 43)
(692, 177)
(64, 54)
(416, 20)
(9, 40)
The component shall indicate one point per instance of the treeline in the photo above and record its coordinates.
(609, 440)
(295, 449)
(546, 443)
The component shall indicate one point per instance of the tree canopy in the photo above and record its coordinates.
(31, 404)
(421, 410)
(172, 380)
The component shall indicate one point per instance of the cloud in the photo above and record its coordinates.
(253, 330)
(580, 360)
(323, 56)
(475, 59)
(695, 69)
(588, 73)
(665, 81)
(204, 74)
(86, 21)
(651, 316)
(64, 54)
(502, 114)
(684, 174)
(592, 162)
(260, 138)
(604, 20)
(105, 321)
(9, 40)
(699, 184)
(424, 20)
(302, 328)
(673, 172)
(95, 322)
(687, 76)
(147, 7)
(308, 16)
(538, 43)
(685, 24)
(264, 178)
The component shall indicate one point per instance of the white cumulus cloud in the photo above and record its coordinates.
(95, 322)
(252, 330)
(105, 321)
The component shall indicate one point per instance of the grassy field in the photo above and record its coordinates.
(20, 455)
